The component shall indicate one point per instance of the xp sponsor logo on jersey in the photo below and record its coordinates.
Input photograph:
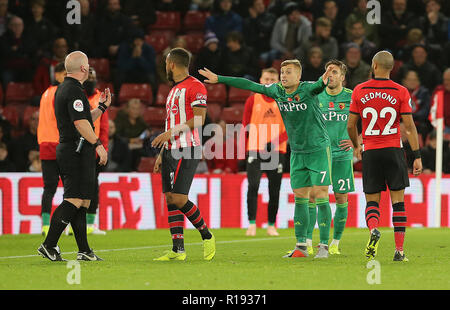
(78, 105)
(334, 116)
(292, 106)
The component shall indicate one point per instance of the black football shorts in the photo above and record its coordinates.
(177, 171)
(77, 170)
(381, 167)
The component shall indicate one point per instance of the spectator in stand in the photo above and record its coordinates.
(357, 34)
(358, 70)
(238, 59)
(209, 55)
(202, 5)
(41, 29)
(420, 97)
(173, 5)
(35, 162)
(435, 25)
(5, 132)
(223, 20)
(45, 72)
(141, 12)
(257, 30)
(178, 41)
(445, 55)
(429, 155)
(395, 25)
(6, 165)
(82, 36)
(429, 74)
(16, 52)
(442, 92)
(415, 37)
(360, 13)
(113, 28)
(323, 39)
(291, 32)
(25, 147)
(131, 126)
(222, 159)
(136, 61)
(119, 155)
(5, 16)
(313, 66)
(332, 12)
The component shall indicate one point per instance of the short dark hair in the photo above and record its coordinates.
(3, 146)
(337, 63)
(235, 36)
(180, 56)
(60, 67)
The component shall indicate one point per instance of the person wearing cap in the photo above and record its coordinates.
(291, 32)
(209, 55)
(358, 70)
(136, 61)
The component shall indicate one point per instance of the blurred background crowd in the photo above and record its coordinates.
(127, 41)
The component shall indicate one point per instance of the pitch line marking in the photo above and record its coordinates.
(155, 246)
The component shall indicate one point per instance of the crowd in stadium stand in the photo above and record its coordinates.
(127, 41)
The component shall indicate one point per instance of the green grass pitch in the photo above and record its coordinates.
(241, 262)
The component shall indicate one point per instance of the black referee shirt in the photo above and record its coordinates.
(71, 104)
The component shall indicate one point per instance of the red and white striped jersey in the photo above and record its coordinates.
(182, 98)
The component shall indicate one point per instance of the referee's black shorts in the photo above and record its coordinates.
(178, 173)
(381, 167)
(77, 170)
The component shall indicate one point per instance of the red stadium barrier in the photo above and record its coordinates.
(135, 201)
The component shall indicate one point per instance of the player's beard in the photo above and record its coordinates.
(169, 76)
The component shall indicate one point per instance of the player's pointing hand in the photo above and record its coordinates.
(210, 76)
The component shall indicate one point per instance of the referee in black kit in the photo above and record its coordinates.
(75, 156)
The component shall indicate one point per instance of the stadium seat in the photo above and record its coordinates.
(159, 41)
(236, 95)
(112, 112)
(397, 66)
(18, 92)
(168, 34)
(101, 66)
(133, 90)
(277, 64)
(155, 116)
(11, 114)
(194, 42)
(217, 93)
(146, 164)
(195, 20)
(232, 115)
(161, 96)
(1, 96)
(167, 21)
(27, 113)
(214, 111)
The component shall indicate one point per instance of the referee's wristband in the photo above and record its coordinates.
(417, 154)
(102, 106)
(97, 143)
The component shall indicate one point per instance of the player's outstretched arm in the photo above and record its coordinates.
(413, 139)
(238, 82)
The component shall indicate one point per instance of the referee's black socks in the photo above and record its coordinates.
(62, 216)
(79, 230)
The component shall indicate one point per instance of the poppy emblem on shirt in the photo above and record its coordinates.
(342, 105)
(289, 99)
(331, 105)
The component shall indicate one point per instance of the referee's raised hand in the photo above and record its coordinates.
(105, 97)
